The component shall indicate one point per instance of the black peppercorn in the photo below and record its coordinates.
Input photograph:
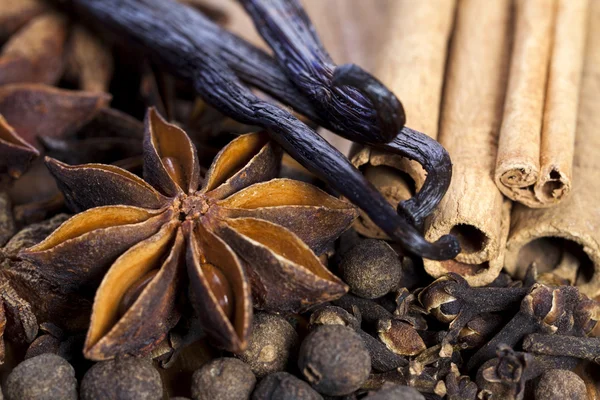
(223, 378)
(122, 379)
(284, 386)
(371, 269)
(272, 340)
(334, 360)
(394, 392)
(46, 376)
(558, 384)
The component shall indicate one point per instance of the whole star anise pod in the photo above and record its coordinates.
(241, 230)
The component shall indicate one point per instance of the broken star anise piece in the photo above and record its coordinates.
(241, 230)
(17, 153)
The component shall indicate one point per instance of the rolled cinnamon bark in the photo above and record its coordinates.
(474, 209)
(571, 229)
(411, 63)
(535, 152)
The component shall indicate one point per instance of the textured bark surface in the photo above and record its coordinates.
(577, 219)
(535, 153)
(473, 208)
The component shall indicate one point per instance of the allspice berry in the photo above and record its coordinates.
(223, 378)
(122, 379)
(45, 377)
(371, 269)
(558, 384)
(272, 341)
(395, 392)
(334, 360)
(284, 386)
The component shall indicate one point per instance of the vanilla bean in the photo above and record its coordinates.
(150, 23)
(354, 103)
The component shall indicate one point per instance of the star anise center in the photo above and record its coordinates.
(192, 207)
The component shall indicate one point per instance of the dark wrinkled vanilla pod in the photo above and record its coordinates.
(158, 26)
(353, 103)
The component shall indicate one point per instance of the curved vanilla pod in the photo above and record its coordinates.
(150, 23)
(409, 143)
(339, 93)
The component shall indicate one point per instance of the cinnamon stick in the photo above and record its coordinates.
(573, 227)
(411, 64)
(535, 153)
(473, 208)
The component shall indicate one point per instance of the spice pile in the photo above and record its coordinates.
(171, 223)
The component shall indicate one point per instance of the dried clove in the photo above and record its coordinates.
(450, 299)
(122, 378)
(371, 269)
(271, 344)
(459, 387)
(479, 330)
(45, 377)
(284, 386)
(158, 25)
(543, 310)
(334, 360)
(558, 384)
(370, 312)
(505, 376)
(584, 348)
(223, 378)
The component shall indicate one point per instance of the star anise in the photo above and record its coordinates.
(30, 111)
(241, 230)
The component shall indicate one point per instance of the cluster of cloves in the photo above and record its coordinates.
(396, 333)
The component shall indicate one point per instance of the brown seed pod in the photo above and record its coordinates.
(122, 379)
(223, 378)
(272, 341)
(400, 337)
(45, 377)
(35, 53)
(334, 360)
